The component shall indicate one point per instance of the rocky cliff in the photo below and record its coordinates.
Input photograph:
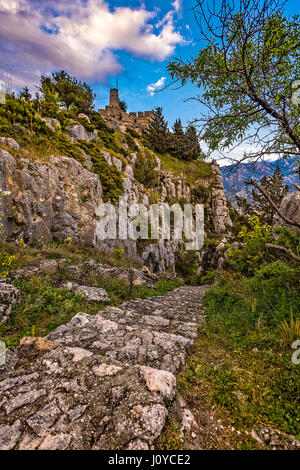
(58, 198)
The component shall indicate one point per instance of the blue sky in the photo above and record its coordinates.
(100, 41)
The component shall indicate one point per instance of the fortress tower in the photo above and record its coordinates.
(119, 119)
(114, 101)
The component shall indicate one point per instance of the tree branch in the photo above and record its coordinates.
(266, 195)
(283, 248)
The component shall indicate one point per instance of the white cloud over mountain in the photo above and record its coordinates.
(81, 37)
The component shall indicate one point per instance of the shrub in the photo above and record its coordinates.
(289, 331)
(110, 176)
(251, 255)
(145, 170)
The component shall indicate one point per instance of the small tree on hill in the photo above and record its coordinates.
(260, 207)
(193, 149)
(178, 140)
(124, 106)
(25, 94)
(70, 91)
(157, 135)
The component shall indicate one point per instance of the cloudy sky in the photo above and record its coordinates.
(100, 41)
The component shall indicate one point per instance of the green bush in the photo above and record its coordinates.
(110, 176)
(145, 170)
(254, 252)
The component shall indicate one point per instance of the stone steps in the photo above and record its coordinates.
(110, 382)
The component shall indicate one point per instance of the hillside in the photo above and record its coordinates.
(108, 345)
(234, 179)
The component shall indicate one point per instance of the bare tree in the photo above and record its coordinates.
(247, 71)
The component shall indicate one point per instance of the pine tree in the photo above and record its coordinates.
(193, 149)
(157, 135)
(178, 140)
(260, 207)
(25, 94)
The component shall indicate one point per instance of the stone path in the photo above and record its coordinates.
(106, 382)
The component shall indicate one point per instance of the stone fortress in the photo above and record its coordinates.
(119, 119)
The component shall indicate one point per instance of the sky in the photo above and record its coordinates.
(102, 41)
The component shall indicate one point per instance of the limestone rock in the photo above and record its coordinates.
(32, 347)
(159, 381)
(51, 123)
(48, 200)
(92, 294)
(290, 207)
(74, 397)
(84, 116)
(10, 297)
(9, 142)
(77, 131)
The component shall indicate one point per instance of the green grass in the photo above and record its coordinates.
(190, 170)
(240, 364)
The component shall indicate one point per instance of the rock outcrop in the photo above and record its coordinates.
(99, 382)
(290, 207)
(58, 200)
(10, 297)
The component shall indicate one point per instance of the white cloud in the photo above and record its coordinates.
(153, 87)
(85, 36)
(177, 5)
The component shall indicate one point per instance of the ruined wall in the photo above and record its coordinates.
(119, 119)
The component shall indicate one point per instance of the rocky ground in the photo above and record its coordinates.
(100, 382)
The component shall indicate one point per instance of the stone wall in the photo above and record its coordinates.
(119, 119)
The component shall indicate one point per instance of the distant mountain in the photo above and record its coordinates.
(234, 179)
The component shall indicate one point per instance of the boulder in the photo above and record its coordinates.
(84, 116)
(77, 131)
(92, 294)
(290, 207)
(51, 123)
(31, 348)
(10, 297)
(10, 142)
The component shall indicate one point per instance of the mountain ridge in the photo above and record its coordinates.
(234, 178)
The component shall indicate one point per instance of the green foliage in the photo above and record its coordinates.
(200, 193)
(157, 135)
(45, 306)
(124, 106)
(62, 88)
(191, 171)
(246, 70)
(110, 176)
(185, 145)
(253, 252)
(129, 140)
(25, 94)
(145, 170)
(6, 260)
(17, 114)
(132, 132)
(261, 207)
(99, 124)
(245, 318)
(170, 439)
(186, 265)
